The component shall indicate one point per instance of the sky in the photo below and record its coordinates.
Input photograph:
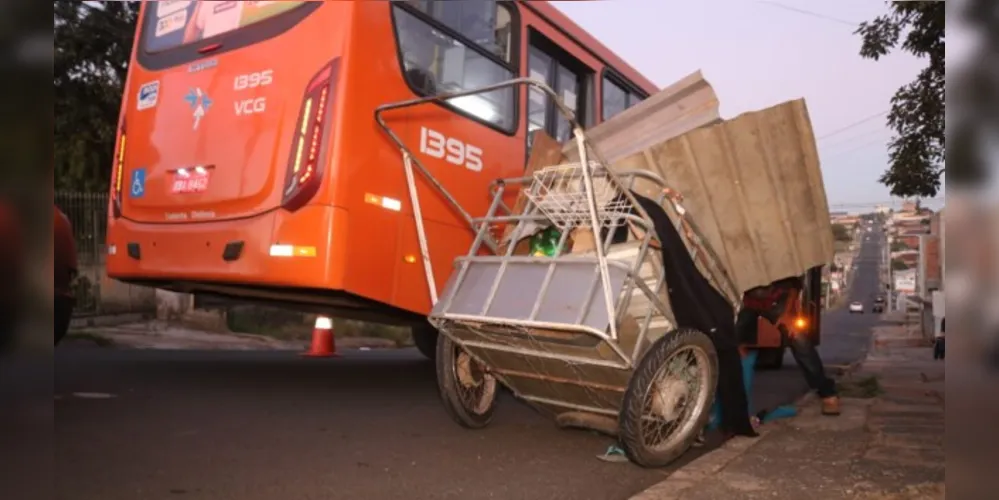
(757, 54)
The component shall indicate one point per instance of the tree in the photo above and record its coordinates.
(898, 265)
(917, 150)
(841, 233)
(92, 50)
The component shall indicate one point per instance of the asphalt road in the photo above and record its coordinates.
(272, 426)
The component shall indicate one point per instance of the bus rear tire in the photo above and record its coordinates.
(425, 338)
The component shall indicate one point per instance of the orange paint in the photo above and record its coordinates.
(286, 105)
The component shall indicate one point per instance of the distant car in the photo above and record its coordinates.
(879, 300)
(856, 307)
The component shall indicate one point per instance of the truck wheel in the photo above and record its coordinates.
(467, 390)
(770, 358)
(425, 339)
(668, 399)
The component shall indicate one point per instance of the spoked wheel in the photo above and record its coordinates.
(669, 398)
(467, 389)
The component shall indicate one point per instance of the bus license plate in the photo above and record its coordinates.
(193, 184)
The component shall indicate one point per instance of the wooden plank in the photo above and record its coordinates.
(754, 186)
(683, 106)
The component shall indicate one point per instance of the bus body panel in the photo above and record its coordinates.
(195, 252)
(379, 269)
(232, 114)
(552, 21)
(356, 234)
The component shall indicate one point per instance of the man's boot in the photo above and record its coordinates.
(830, 406)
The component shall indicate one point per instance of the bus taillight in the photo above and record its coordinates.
(119, 167)
(309, 144)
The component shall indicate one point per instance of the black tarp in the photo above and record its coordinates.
(697, 304)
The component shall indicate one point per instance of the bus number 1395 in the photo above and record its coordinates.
(454, 151)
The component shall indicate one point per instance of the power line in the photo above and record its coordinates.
(848, 140)
(852, 125)
(840, 154)
(809, 13)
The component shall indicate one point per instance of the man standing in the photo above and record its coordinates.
(771, 302)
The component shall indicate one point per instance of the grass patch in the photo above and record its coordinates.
(282, 324)
(90, 337)
(861, 388)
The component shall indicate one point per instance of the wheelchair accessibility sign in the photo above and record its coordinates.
(137, 188)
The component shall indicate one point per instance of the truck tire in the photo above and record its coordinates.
(770, 358)
(425, 339)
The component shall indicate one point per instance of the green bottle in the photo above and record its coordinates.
(544, 243)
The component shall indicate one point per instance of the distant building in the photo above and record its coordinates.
(845, 219)
(929, 270)
(931, 275)
(911, 237)
(905, 281)
(941, 227)
(908, 257)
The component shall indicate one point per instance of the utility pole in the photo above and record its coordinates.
(886, 258)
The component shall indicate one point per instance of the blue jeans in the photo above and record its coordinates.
(808, 360)
(748, 363)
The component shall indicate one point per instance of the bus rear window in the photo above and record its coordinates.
(171, 24)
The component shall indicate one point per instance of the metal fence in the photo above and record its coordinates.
(96, 294)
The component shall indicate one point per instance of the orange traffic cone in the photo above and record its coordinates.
(323, 343)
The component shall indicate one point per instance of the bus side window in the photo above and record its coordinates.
(436, 61)
(616, 99)
(566, 76)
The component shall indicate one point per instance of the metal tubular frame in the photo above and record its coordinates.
(582, 142)
(616, 306)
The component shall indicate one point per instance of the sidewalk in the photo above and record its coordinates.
(887, 444)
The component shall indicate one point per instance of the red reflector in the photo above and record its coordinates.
(210, 48)
(321, 78)
(309, 139)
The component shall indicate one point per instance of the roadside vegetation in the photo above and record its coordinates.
(287, 325)
(861, 387)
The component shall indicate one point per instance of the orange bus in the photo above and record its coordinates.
(249, 165)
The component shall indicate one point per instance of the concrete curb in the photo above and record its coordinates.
(100, 321)
(690, 475)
